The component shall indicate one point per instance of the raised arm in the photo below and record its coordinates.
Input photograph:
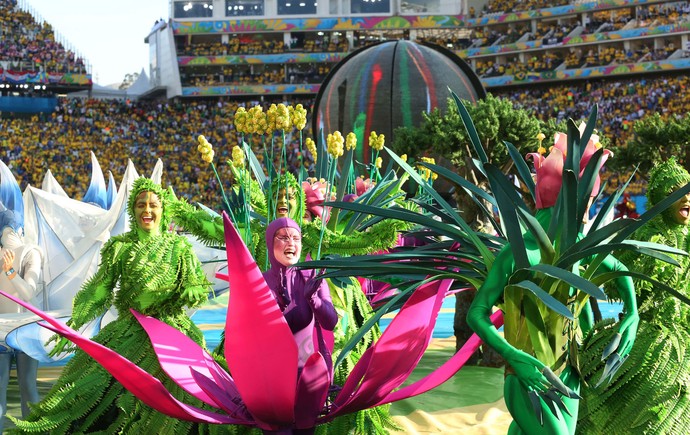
(527, 368)
(25, 282)
(626, 292)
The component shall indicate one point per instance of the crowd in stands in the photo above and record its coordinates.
(507, 6)
(26, 45)
(311, 42)
(117, 130)
(309, 73)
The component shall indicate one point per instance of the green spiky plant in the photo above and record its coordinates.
(558, 287)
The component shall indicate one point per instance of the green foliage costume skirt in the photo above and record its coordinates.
(649, 394)
(87, 399)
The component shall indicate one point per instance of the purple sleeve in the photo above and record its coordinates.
(323, 308)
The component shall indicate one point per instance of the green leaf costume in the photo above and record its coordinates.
(156, 274)
(651, 392)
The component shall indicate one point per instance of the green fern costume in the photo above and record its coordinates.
(158, 275)
(651, 392)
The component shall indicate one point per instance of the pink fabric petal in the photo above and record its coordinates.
(446, 371)
(312, 390)
(549, 179)
(387, 364)
(177, 354)
(259, 346)
(231, 404)
(144, 386)
(590, 149)
(537, 159)
(560, 142)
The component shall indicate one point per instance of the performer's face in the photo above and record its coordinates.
(680, 210)
(148, 210)
(286, 202)
(287, 246)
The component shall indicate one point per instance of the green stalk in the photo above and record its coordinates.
(331, 174)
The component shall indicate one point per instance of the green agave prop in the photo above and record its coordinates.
(452, 249)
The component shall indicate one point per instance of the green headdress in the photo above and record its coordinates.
(664, 178)
(147, 185)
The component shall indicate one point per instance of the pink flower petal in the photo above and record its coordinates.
(387, 364)
(259, 346)
(312, 390)
(549, 179)
(177, 354)
(144, 386)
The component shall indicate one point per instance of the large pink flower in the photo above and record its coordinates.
(550, 169)
(265, 389)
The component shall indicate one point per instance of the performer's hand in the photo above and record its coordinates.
(312, 287)
(62, 345)
(628, 331)
(7, 260)
(528, 369)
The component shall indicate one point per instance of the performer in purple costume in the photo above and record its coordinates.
(304, 299)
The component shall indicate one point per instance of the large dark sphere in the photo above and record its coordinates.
(388, 85)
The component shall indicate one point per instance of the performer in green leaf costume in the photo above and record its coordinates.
(530, 279)
(159, 275)
(651, 393)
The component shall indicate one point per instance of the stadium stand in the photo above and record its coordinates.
(553, 59)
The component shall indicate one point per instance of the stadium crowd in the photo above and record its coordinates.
(26, 45)
(117, 130)
(144, 131)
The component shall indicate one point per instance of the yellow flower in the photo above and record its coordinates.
(351, 141)
(298, 115)
(240, 120)
(335, 144)
(541, 150)
(205, 148)
(208, 157)
(404, 158)
(425, 172)
(379, 162)
(282, 117)
(311, 147)
(376, 141)
(540, 137)
(237, 157)
(271, 116)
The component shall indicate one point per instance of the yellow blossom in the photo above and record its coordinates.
(376, 141)
(541, 150)
(208, 157)
(311, 147)
(540, 137)
(403, 157)
(298, 115)
(237, 157)
(240, 120)
(351, 141)
(271, 116)
(426, 173)
(282, 117)
(335, 144)
(205, 148)
(379, 162)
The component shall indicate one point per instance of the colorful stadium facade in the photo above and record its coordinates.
(257, 48)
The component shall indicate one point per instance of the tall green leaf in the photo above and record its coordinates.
(471, 129)
(522, 168)
(546, 298)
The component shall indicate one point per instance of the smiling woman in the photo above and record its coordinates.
(304, 299)
(158, 274)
